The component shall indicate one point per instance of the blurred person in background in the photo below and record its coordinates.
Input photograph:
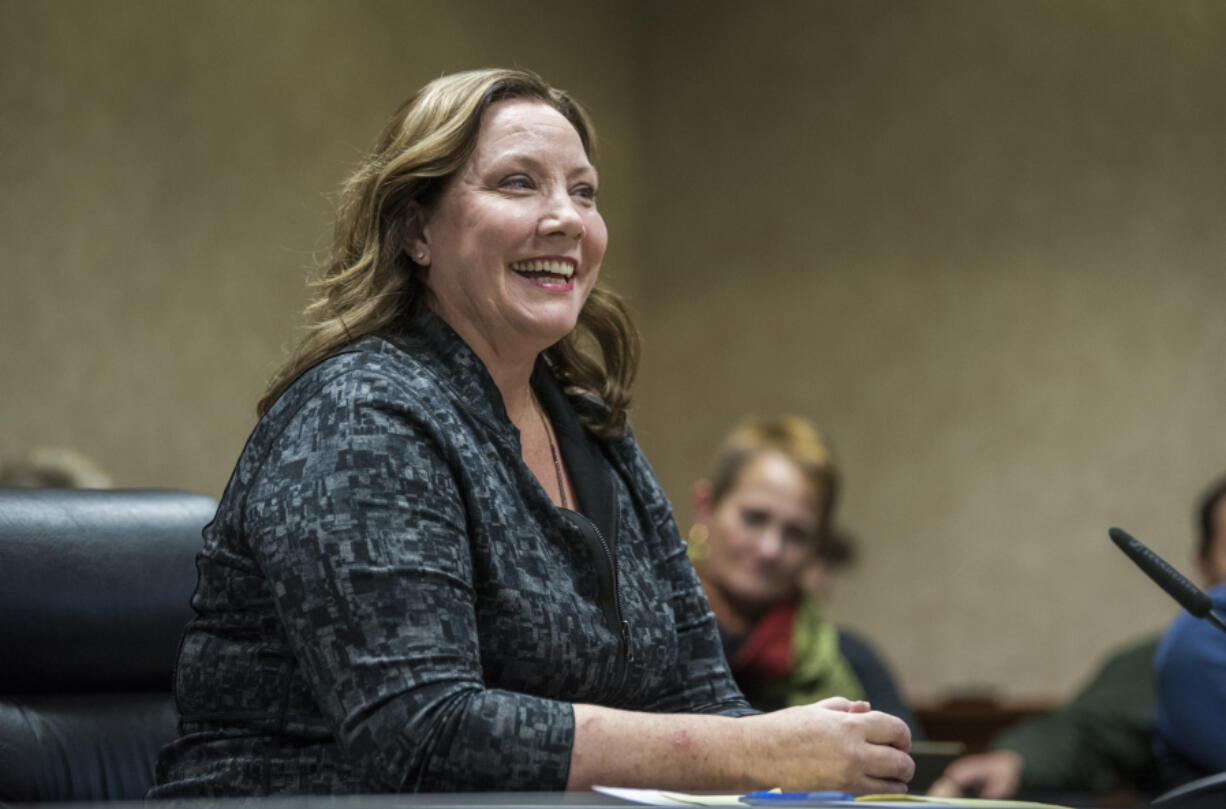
(1190, 668)
(1104, 738)
(764, 541)
(52, 468)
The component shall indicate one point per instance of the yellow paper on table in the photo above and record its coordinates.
(970, 803)
(704, 800)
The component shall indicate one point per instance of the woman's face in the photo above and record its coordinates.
(762, 533)
(514, 243)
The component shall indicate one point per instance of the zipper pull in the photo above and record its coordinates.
(629, 655)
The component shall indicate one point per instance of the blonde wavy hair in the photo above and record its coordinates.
(370, 282)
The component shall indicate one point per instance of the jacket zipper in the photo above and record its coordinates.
(627, 656)
(612, 608)
(623, 626)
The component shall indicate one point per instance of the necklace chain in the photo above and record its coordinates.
(553, 451)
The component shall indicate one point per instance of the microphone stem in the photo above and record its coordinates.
(1216, 620)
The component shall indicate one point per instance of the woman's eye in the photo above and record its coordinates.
(517, 181)
(796, 536)
(753, 517)
(585, 191)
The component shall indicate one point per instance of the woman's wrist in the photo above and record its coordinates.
(664, 751)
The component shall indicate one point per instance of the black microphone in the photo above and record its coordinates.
(1189, 596)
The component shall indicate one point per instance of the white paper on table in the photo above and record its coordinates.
(656, 797)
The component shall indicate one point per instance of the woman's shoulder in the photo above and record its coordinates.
(370, 368)
(370, 387)
(369, 356)
(859, 651)
(372, 375)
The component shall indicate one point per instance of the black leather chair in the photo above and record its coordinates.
(94, 591)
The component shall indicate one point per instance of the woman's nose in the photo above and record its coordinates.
(562, 217)
(770, 543)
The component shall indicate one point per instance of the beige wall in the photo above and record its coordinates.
(979, 242)
(167, 166)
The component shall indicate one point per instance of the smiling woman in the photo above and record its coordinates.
(442, 562)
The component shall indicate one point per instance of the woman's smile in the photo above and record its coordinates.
(554, 273)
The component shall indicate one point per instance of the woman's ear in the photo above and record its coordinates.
(700, 500)
(415, 243)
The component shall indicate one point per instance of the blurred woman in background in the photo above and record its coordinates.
(763, 541)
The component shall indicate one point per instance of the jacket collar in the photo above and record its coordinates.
(590, 473)
(456, 366)
(461, 371)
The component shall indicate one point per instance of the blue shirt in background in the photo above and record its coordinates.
(1191, 682)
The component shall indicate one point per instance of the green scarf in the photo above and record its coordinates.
(818, 670)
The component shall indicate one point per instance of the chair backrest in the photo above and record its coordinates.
(94, 594)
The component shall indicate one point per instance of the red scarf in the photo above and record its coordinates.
(767, 653)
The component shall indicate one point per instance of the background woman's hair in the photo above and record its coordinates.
(370, 282)
(801, 443)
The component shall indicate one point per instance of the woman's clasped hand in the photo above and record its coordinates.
(840, 744)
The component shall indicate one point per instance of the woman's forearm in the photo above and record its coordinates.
(833, 744)
(666, 751)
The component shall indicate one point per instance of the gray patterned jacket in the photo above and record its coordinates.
(389, 601)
